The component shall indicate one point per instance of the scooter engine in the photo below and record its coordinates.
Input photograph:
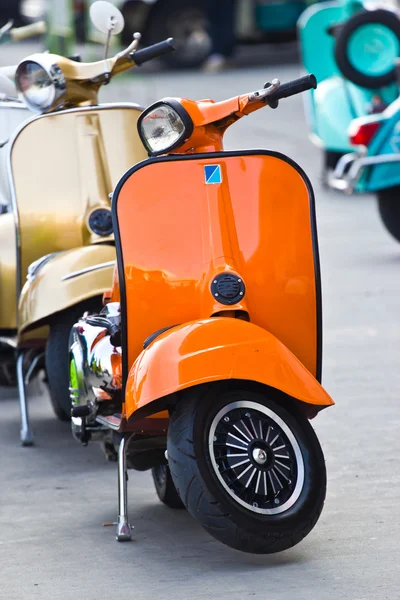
(95, 367)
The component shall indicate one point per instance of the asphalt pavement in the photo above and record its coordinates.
(55, 497)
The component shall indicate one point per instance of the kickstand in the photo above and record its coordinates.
(124, 533)
(26, 432)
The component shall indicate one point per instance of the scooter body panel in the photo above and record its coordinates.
(64, 280)
(217, 349)
(316, 43)
(386, 142)
(336, 102)
(80, 155)
(247, 214)
(12, 114)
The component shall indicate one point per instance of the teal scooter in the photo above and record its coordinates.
(352, 51)
(375, 166)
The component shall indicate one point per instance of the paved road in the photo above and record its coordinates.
(55, 497)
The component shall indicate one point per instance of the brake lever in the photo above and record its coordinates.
(265, 92)
(132, 46)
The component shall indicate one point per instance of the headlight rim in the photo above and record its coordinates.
(55, 74)
(181, 112)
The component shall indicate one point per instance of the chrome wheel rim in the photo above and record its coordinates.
(256, 457)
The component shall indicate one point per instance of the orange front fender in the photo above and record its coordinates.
(213, 350)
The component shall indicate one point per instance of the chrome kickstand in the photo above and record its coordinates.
(124, 533)
(26, 432)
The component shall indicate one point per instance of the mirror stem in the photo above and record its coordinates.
(107, 44)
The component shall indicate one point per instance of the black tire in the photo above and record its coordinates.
(389, 210)
(57, 352)
(179, 19)
(165, 487)
(220, 512)
(380, 16)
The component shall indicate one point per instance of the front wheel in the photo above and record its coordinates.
(251, 471)
(57, 353)
(389, 210)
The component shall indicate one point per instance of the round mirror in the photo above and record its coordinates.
(106, 17)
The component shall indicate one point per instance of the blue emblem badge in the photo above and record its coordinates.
(212, 174)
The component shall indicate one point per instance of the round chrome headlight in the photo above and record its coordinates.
(164, 126)
(41, 83)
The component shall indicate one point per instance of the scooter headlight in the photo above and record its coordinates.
(41, 83)
(164, 126)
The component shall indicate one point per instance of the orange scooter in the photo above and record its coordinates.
(205, 362)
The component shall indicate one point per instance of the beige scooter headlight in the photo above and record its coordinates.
(164, 126)
(41, 83)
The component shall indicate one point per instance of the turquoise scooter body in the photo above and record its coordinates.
(345, 48)
(375, 166)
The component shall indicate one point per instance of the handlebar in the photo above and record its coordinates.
(21, 33)
(154, 51)
(291, 88)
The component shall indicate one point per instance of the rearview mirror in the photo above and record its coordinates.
(106, 18)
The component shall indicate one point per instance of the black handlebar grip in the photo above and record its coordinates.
(309, 82)
(154, 51)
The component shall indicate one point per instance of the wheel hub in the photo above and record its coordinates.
(256, 457)
(260, 456)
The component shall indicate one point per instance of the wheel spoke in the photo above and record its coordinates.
(279, 448)
(247, 429)
(239, 464)
(274, 440)
(258, 481)
(238, 439)
(268, 432)
(244, 472)
(265, 484)
(272, 482)
(233, 455)
(283, 474)
(278, 462)
(233, 446)
(254, 429)
(241, 432)
(282, 456)
(277, 478)
(261, 431)
(251, 477)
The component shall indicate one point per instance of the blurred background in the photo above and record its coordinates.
(207, 31)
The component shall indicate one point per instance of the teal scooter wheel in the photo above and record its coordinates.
(367, 46)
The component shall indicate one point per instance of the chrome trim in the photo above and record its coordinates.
(55, 74)
(11, 342)
(13, 139)
(26, 432)
(110, 263)
(124, 528)
(344, 162)
(35, 267)
(347, 181)
(15, 103)
(113, 422)
(32, 366)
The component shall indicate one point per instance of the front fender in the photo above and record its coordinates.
(62, 281)
(214, 350)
